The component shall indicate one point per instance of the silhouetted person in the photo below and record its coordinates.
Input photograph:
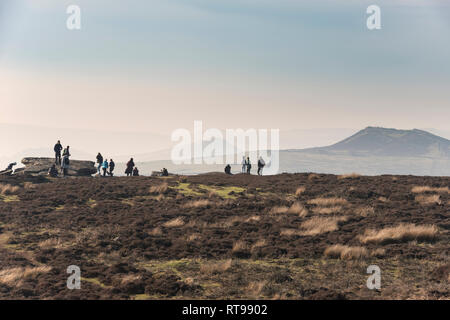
(112, 165)
(135, 172)
(100, 162)
(105, 167)
(10, 166)
(52, 172)
(261, 165)
(164, 172)
(129, 169)
(58, 148)
(248, 164)
(228, 169)
(244, 165)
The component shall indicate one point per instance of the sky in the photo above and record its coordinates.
(158, 65)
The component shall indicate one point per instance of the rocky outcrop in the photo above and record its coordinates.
(40, 166)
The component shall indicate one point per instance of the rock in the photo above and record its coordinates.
(40, 166)
(6, 172)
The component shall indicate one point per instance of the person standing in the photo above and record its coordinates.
(112, 165)
(58, 148)
(249, 165)
(261, 165)
(65, 165)
(99, 162)
(130, 166)
(244, 165)
(105, 167)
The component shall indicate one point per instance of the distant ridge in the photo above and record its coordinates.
(385, 142)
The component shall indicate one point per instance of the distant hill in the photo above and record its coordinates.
(371, 151)
(376, 141)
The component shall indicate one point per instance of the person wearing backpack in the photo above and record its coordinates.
(261, 165)
(99, 162)
(112, 165)
(105, 167)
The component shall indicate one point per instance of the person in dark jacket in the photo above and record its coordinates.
(261, 165)
(58, 148)
(65, 165)
(99, 162)
(112, 165)
(249, 165)
(135, 172)
(129, 169)
(228, 169)
(164, 172)
(52, 172)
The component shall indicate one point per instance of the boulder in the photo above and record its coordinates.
(40, 166)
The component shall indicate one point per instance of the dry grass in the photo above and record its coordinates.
(216, 267)
(313, 176)
(319, 225)
(428, 200)
(349, 175)
(365, 211)
(203, 203)
(400, 233)
(260, 243)
(29, 185)
(379, 252)
(194, 236)
(14, 275)
(327, 210)
(345, 252)
(255, 288)
(240, 246)
(156, 231)
(174, 223)
(130, 278)
(295, 208)
(290, 232)
(159, 189)
(383, 199)
(253, 219)
(51, 243)
(327, 202)
(7, 189)
(425, 189)
(299, 191)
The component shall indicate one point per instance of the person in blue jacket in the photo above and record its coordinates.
(105, 167)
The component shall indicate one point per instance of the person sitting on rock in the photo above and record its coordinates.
(135, 172)
(52, 172)
(112, 165)
(129, 169)
(164, 172)
(58, 148)
(105, 166)
(10, 166)
(228, 169)
(100, 162)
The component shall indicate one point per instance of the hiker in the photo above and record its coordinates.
(10, 166)
(66, 152)
(112, 165)
(248, 164)
(105, 167)
(164, 172)
(261, 164)
(100, 162)
(244, 165)
(228, 169)
(135, 172)
(52, 172)
(129, 169)
(65, 164)
(58, 148)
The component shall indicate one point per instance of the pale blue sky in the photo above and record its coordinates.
(247, 63)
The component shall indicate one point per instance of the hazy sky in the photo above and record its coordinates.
(158, 65)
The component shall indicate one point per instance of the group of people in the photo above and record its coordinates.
(63, 162)
(247, 166)
(103, 165)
